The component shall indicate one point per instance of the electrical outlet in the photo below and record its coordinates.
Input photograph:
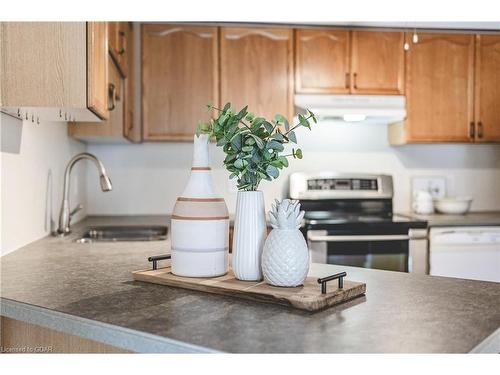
(436, 185)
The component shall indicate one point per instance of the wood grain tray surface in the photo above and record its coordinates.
(307, 297)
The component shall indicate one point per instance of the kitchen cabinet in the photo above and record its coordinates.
(120, 103)
(322, 61)
(377, 63)
(330, 61)
(22, 335)
(97, 68)
(439, 91)
(180, 70)
(119, 35)
(487, 88)
(53, 71)
(113, 129)
(132, 128)
(256, 69)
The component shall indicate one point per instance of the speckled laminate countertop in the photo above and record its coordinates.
(87, 289)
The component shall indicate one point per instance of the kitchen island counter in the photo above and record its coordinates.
(88, 290)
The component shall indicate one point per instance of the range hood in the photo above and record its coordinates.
(379, 109)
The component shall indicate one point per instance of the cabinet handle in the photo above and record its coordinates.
(355, 83)
(111, 97)
(480, 129)
(347, 80)
(472, 130)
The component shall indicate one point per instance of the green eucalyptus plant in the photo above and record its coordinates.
(253, 145)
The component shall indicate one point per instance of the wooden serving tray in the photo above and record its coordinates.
(307, 297)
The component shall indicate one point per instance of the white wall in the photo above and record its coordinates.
(33, 160)
(147, 178)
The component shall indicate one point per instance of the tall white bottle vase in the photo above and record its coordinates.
(200, 222)
(249, 235)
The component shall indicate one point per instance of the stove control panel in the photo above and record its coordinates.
(364, 184)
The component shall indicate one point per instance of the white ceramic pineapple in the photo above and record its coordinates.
(285, 259)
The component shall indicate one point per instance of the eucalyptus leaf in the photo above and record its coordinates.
(272, 171)
(268, 126)
(239, 164)
(292, 137)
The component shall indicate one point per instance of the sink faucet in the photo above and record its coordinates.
(65, 213)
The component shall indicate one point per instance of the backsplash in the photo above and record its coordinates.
(34, 158)
(147, 178)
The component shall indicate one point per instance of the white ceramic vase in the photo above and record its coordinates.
(200, 222)
(285, 259)
(250, 232)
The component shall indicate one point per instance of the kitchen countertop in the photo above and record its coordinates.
(87, 289)
(486, 218)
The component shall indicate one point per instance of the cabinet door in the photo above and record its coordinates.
(439, 88)
(112, 128)
(97, 68)
(118, 40)
(179, 77)
(131, 127)
(487, 88)
(377, 63)
(257, 70)
(322, 61)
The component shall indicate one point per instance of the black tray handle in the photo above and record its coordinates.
(157, 258)
(324, 280)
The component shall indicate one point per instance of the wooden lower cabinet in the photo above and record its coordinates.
(20, 337)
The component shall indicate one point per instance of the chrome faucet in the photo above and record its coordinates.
(65, 214)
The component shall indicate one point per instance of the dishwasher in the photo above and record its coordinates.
(465, 252)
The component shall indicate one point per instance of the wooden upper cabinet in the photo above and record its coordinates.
(44, 71)
(322, 61)
(119, 33)
(131, 127)
(179, 77)
(97, 68)
(439, 88)
(487, 105)
(112, 128)
(377, 63)
(257, 70)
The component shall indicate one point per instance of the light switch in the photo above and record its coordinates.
(436, 185)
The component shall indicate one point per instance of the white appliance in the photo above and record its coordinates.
(383, 109)
(465, 252)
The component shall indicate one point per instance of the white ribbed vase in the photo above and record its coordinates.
(249, 235)
(200, 222)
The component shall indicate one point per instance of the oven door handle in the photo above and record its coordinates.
(360, 238)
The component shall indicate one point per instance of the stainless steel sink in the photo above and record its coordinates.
(112, 233)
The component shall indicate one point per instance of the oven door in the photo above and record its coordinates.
(392, 252)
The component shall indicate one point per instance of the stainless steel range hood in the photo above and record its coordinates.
(377, 109)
